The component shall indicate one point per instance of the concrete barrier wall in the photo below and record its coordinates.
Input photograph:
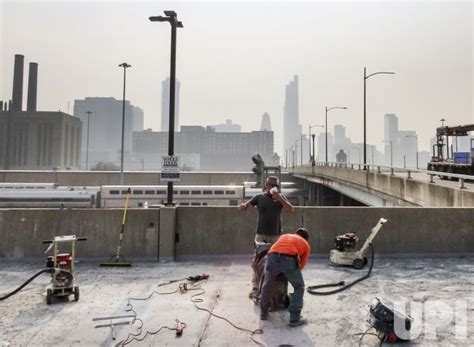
(228, 231)
(409, 229)
(22, 231)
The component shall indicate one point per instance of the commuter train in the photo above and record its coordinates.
(46, 199)
(27, 186)
(50, 195)
(151, 196)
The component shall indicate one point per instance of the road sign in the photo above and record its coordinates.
(170, 169)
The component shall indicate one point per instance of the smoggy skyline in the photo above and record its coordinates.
(234, 60)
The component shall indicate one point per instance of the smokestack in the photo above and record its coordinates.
(32, 87)
(17, 97)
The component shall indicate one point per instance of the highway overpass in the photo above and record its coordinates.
(383, 186)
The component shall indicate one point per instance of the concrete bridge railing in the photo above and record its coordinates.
(385, 189)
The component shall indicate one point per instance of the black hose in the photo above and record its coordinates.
(48, 270)
(312, 289)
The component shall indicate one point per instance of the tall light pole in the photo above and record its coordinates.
(416, 144)
(327, 110)
(292, 151)
(365, 107)
(125, 67)
(172, 18)
(296, 152)
(312, 157)
(87, 151)
(301, 148)
(391, 151)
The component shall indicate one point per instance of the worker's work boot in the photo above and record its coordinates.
(263, 315)
(297, 323)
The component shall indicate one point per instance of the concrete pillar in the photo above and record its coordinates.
(32, 87)
(1, 105)
(17, 96)
(167, 234)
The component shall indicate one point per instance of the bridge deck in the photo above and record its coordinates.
(333, 321)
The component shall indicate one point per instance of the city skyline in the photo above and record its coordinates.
(235, 59)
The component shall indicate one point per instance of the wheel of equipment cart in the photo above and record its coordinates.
(49, 296)
(358, 264)
(76, 293)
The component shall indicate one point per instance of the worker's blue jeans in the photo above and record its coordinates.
(276, 264)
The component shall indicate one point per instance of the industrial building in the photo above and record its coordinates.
(34, 139)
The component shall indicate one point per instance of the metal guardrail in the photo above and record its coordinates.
(393, 170)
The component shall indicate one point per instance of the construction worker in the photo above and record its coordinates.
(288, 255)
(269, 205)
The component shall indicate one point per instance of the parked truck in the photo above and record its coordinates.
(445, 159)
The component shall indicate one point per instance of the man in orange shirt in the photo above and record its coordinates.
(288, 255)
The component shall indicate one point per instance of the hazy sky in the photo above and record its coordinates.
(235, 58)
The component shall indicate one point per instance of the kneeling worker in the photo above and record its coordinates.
(288, 255)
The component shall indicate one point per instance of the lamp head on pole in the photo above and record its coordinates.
(125, 65)
(171, 17)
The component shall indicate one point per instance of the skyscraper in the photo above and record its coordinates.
(266, 124)
(291, 126)
(165, 105)
(390, 136)
(106, 127)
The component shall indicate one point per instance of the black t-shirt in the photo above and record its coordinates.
(269, 214)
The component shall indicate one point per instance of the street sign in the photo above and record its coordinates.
(170, 169)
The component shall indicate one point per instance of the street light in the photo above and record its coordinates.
(391, 151)
(416, 143)
(365, 107)
(296, 152)
(172, 18)
(312, 136)
(327, 110)
(87, 151)
(125, 66)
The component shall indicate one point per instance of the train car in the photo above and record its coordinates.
(46, 199)
(27, 186)
(142, 196)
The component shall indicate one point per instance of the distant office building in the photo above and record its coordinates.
(216, 150)
(35, 140)
(105, 128)
(266, 124)
(321, 150)
(400, 146)
(291, 126)
(165, 105)
(227, 127)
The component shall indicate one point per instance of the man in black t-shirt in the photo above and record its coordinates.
(269, 205)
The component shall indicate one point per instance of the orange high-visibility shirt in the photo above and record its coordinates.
(292, 244)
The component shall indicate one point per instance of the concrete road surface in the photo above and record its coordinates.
(439, 291)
